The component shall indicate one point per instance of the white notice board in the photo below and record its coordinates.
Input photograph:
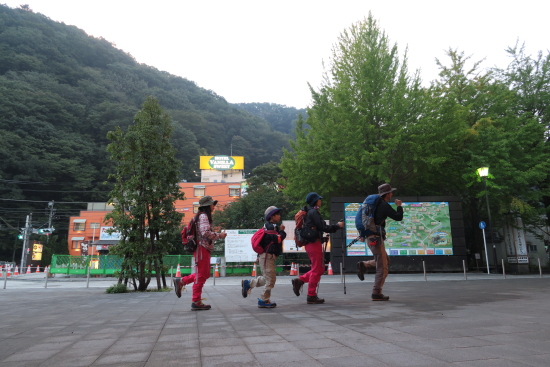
(238, 247)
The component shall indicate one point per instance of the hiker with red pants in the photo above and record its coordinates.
(314, 249)
(205, 245)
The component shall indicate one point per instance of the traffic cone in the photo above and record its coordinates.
(38, 268)
(292, 269)
(216, 272)
(178, 272)
(28, 270)
(330, 269)
(16, 272)
(8, 270)
(254, 270)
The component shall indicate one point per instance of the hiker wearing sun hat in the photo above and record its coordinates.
(376, 241)
(314, 249)
(205, 244)
(272, 245)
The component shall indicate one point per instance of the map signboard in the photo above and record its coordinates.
(424, 230)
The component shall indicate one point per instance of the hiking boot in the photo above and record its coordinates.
(177, 288)
(311, 300)
(361, 270)
(245, 288)
(266, 304)
(199, 306)
(380, 297)
(297, 285)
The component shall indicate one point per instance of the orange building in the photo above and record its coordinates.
(87, 232)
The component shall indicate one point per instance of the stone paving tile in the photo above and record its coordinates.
(187, 362)
(362, 360)
(119, 348)
(224, 350)
(63, 360)
(294, 356)
(407, 359)
(330, 352)
(534, 360)
(273, 347)
(243, 359)
(30, 356)
(308, 363)
(121, 358)
(459, 354)
(494, 362)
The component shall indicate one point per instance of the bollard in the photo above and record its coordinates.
(540, 269)
(171, 275)
(212, 267)
(5, 278)
(464, 266)
(88, 281)
(297, 270)
(424, 266)
(503, 270)
(341, 273)
(47, 273)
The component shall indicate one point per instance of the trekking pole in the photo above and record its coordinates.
(343, 263)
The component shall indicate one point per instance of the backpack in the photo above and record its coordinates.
(299, 221)
(364, 220)
(189, 236)
(258, 237)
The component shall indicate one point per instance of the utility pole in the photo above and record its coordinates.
(52, 211)
(26, 237)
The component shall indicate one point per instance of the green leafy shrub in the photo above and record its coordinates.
(117, 288)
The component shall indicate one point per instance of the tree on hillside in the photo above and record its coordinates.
(364, 124)
(147, 176)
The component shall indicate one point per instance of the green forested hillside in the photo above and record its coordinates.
(281, 118)
(61, 91)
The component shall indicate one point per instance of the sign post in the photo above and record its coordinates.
(482, 225)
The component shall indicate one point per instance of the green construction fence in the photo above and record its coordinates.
(109, 264)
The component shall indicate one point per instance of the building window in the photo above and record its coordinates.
(75, 245)
(195, 208)
(199, 191)
(79, 226)
(234, 192)
(532, 248)
(94, 225)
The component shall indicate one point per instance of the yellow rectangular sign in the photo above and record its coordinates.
(221, 162)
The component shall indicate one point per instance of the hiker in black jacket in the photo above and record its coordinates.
(273, 247)
(376, 241)
(314, 249)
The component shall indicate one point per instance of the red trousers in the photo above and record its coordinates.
(315, 252)
(202, 272)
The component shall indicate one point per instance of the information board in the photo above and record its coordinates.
(424, 230)
(238, 247)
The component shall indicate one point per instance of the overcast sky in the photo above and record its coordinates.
(267, 51)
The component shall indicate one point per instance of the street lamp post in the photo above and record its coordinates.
(484, 172)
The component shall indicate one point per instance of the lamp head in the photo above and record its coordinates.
(483, 171)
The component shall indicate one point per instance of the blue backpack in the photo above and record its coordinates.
(364, 220)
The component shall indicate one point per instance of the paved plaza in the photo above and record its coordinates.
(444, 321)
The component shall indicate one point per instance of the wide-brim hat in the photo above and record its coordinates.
(385, 189)
(207, 201)
(271, 211)
(312, 198)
